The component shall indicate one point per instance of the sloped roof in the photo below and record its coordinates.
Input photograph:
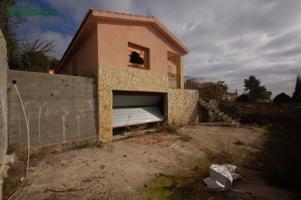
(95, 15)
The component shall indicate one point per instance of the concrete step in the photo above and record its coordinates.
(221, 115)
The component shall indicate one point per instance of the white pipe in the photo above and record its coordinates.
(28, 141)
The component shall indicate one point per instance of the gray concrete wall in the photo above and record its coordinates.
(3, 97)
(60, 109)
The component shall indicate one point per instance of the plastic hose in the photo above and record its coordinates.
(28, 141)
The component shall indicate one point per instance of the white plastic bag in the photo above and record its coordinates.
(221, 177)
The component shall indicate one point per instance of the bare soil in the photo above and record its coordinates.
(126, 169)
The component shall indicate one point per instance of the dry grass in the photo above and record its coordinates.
(238, 142)
(189, 183)
(15, 174)
(17, 169)
(226, 152)
(171, 129)
(183, 185)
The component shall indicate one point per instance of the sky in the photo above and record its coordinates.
(228, 40)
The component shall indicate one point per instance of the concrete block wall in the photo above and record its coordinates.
(182, 106)
(60, 109)
(3, 97)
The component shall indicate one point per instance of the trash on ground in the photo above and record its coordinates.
(221, 177)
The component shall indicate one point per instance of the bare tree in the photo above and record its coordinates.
(34, 55)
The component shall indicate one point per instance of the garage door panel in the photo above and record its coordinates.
(134, 108)
(135, 100)
(136, 115)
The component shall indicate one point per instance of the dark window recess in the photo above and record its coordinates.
(136, 59)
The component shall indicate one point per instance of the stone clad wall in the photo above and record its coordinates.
(129, 78)
(3, 97)
(112, 78)
(60, 109)
(182, 106)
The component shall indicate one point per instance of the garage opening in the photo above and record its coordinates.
(137, 109)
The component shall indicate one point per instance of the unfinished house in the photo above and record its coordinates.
(139, 70)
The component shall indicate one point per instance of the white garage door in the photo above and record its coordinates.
(135, 109)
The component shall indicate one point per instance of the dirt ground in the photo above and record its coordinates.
(126, 168)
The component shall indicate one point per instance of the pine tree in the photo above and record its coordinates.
(256, 92)
(297, 92)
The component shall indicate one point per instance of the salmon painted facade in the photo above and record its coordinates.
(138, 66)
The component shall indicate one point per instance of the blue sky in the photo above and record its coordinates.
(228, 40)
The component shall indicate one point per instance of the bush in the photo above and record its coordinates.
(282, 98)
(256, 91)
(281, 155)
(243, 98)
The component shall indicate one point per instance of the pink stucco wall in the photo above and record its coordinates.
(84, 58)
(105, 42)
(113, 44)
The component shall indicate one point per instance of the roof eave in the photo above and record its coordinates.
(121, 17)
(71, 44)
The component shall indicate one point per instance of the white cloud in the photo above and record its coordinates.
(228, 40)
(61, 42)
